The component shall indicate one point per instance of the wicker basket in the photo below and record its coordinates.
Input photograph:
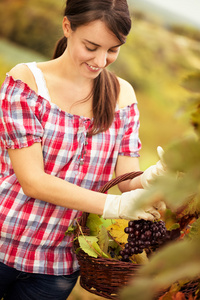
(105, 277)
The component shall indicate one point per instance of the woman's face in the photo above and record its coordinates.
(91, 48)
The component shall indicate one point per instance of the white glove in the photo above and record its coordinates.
(124, 207)
(152, 172)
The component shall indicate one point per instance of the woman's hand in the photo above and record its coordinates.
(125, 207)
(150, 174)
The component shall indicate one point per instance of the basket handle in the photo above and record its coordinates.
(119, 179)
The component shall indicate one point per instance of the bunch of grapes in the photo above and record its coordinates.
(144, 235)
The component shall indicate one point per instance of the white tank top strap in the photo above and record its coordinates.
(39, 79)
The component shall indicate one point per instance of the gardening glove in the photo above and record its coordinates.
(124, 207)
(152, 172)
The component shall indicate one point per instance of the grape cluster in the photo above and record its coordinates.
(144, 235)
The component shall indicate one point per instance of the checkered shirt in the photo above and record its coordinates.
(32, 232)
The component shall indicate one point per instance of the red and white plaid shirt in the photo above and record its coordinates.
(32, 232)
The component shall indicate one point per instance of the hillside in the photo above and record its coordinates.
(154, 60)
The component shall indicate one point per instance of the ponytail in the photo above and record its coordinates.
(105, 95)
(60, 47)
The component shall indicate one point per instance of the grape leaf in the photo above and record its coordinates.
(174, 226)
(192, 207)
(103, 239)
(86, 244)
(94, 222)
(99, 251)
(116, 230)
(141, 259)
(106, 222)
(195, 229)
(89, 245)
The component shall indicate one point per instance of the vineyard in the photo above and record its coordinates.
(163, 67)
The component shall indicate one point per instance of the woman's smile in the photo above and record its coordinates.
(92, 68)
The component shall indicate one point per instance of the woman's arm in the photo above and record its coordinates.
(126, 164)
(29, 169)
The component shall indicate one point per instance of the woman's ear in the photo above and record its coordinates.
(66, 27)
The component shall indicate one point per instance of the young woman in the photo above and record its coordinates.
(66, 125)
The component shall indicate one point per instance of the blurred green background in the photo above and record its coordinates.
(154, 60)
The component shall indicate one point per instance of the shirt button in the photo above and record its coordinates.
(76, 167)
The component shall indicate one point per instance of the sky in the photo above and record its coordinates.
(189, 9)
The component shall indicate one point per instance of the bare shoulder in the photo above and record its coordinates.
(127, 94)
(23, 73)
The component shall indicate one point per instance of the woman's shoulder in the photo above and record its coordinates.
(127, 94)
(23, 73)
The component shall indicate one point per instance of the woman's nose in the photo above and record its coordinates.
(101, 59)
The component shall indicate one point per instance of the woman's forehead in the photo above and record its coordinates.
(98, 32)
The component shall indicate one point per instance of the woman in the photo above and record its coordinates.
(66, 126)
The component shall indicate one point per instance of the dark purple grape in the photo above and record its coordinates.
(131, 224)
(148, 233)
(140, 250)
(126, 251)
(125, 258)
(137, 226)
(131, 230)
(126, 246)
(132, 235)
(137, 233)
(126, 230)
(143, 237)
(133, 251)
(147, 244)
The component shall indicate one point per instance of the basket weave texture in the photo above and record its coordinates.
(105, 277)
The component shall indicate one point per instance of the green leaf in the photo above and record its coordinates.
(86, 244)
(107, 222)
(89, 245)
(94, 222)
(195, 230)
(103, 239)
(174, 226)
(99, 251)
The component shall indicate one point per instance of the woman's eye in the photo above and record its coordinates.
(113, 50)
(89, 49)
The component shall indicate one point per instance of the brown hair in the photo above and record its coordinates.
(115, 14)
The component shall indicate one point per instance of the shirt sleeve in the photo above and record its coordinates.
(20, 124)
(131, 144)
